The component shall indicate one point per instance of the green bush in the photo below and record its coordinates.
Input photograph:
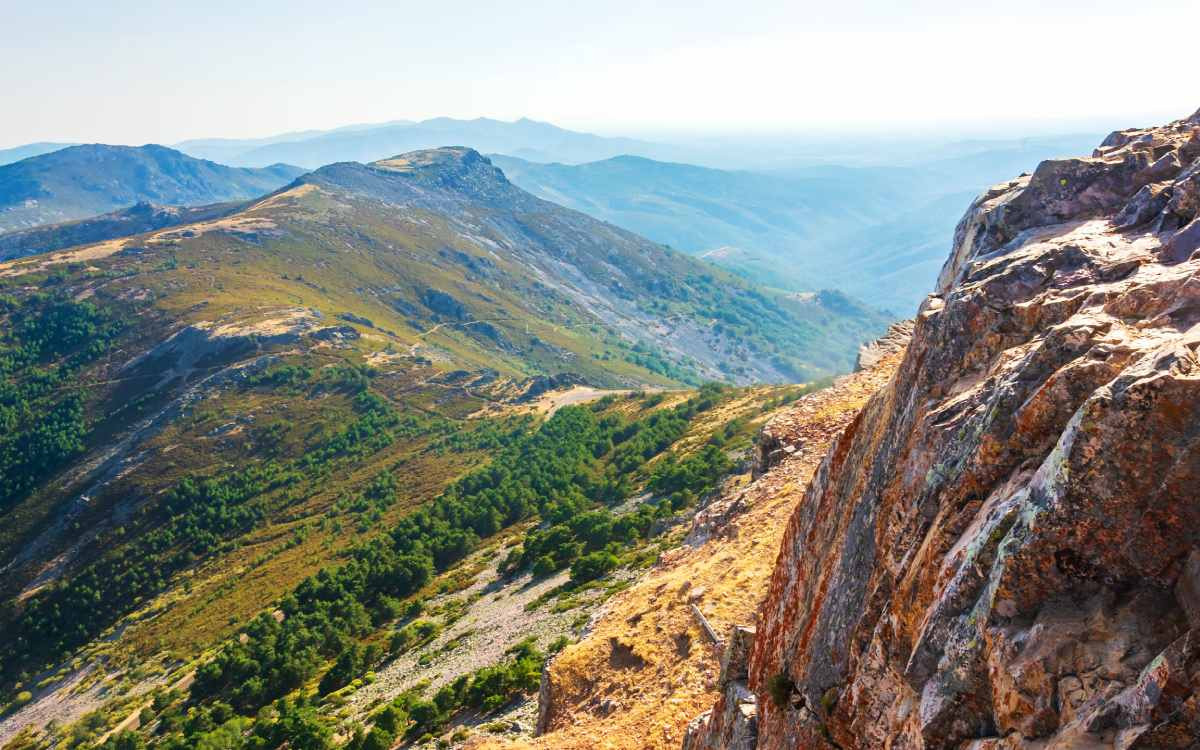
(781, 687)
(544, 566)
(592, 566)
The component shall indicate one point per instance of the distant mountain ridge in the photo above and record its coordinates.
(83, 181)
(876, 233)
(17, 153)
(617, 277)
(138, 218)
(525, 138)
(449, 240)
(228, 150)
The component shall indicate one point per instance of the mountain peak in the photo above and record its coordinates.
(455, 169)
(456, 159)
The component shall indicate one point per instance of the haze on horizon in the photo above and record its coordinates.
(133, 73)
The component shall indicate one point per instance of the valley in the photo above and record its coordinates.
(876, 233)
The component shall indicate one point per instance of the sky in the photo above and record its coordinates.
(138, 72)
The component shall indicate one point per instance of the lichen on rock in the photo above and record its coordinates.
(1001, 550)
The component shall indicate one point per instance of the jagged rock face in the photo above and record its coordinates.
(1001, 551)
(894, 340)
(789, 431)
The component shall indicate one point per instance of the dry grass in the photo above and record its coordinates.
(646, 669)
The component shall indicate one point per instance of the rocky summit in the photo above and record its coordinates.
(1001, 551)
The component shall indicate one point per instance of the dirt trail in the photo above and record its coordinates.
(412, 349)
(133, 720)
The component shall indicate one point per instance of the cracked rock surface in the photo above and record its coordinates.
(1001, 551)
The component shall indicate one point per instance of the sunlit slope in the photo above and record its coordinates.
(438, 254)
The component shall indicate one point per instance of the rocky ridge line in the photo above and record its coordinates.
(1003, 549)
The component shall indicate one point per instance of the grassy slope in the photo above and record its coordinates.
(726, 576)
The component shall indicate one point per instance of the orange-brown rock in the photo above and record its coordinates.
(1001, 550)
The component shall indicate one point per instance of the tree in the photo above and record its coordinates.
(342, 671)
(592, 566)
(543, 566)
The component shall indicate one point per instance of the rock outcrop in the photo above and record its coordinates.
(892, 341)
(792, 430)
(733, 721)
(1001, 551)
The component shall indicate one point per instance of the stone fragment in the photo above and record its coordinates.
(735, 660)
(1187, 589)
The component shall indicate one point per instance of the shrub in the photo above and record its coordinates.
(377, 739)
(781, 688)
(543, 566)
(427, 718)
(391, 719)
(559, 644)
(592, 566)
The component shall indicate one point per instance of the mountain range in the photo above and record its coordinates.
(524, 138)
(83, 181)
(876, 233)
(798, 228)
(263, 390)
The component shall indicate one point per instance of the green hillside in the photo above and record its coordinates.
(346, 379)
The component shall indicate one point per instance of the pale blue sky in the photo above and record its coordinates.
(135, 72)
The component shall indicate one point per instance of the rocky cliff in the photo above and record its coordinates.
(1001, 550)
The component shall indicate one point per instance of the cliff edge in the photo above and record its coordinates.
(1003, 549)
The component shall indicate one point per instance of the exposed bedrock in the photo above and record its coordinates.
(1003, 549)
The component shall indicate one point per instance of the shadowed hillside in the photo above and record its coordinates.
(82, 181)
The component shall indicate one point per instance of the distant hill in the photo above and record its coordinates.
(82, 181)
(440, 239)
(10, 155)
(528, 139)
(138, 218)
(697, 209)
(229, 150)
(876, 233)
